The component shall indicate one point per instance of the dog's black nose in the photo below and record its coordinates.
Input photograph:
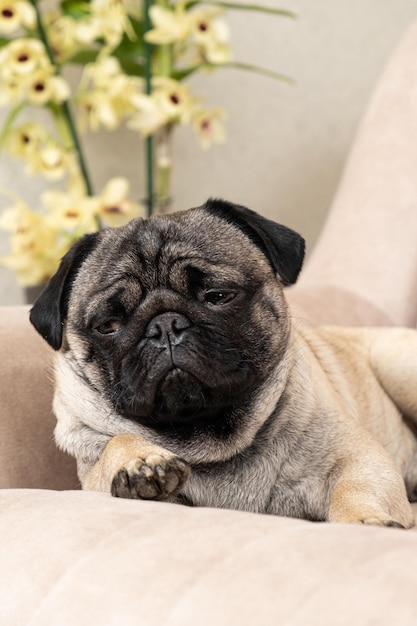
(167, 327)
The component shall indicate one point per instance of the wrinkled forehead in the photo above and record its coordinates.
(159, 253)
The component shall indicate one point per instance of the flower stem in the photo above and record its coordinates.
(148, 89)
(64, 106)
(163, 159)
(163, 168)
(78, 149)
(164, 52)
(9, 122)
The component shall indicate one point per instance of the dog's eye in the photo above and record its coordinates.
(109, 327)
(219, 297)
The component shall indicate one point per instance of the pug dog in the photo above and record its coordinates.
(181, 376)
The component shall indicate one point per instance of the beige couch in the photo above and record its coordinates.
(75, 558)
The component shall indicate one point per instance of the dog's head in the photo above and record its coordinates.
(175, 319)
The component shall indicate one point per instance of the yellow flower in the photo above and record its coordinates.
(51, 161)
(62, 35)
(211, 34)
(101, 73)
(110, 20)
(44, 86)
(97, 111)
(25, 139)
(15, 14)
(75, 213)
(87, 30)
(171, 25)
(170, 102)
(217, 52)
(115, 208)
(200, 27)
(107, 75)
(208, 126)
(148, 118)
(106, 94)
(21, 58)
(173, 99)
(11, 91)
(30, 267)
(35, 250)
(70, 212)
(27, 74)
(32, 143)
(16, 216)
(132, 8)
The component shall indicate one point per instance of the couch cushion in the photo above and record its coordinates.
(28, 454)
(78, 558)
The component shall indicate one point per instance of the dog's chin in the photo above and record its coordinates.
(180, 399)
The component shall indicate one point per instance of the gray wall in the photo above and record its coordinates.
(286, 144)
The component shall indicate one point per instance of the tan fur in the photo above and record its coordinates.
(350, 378)
(139, 460)
(326, 429)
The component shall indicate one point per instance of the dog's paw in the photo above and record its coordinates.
(372, 519)
(387, 522)
(156, 477)
(374, 500)
(399, 515)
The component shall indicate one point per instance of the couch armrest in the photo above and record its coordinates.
(28, 455)
(368, 244)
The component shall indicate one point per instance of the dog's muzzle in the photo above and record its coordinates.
(167, 330)
(180, 372)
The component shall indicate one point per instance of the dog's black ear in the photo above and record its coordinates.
(50, 309)
(283, 247)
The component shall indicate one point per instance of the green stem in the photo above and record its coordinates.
(61, 126)
(188, 71)
(158, 181)
(148, 90)
(9, 122)
(245, 7)
(65, 106)
(164, 51)
(248, 67)
(163, 160)
(80, 155)
(163, 168)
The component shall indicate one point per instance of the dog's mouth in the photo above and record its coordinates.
(179, 398)
(195, 379)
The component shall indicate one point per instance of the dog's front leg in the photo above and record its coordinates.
(131, 467)
(369, 490)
